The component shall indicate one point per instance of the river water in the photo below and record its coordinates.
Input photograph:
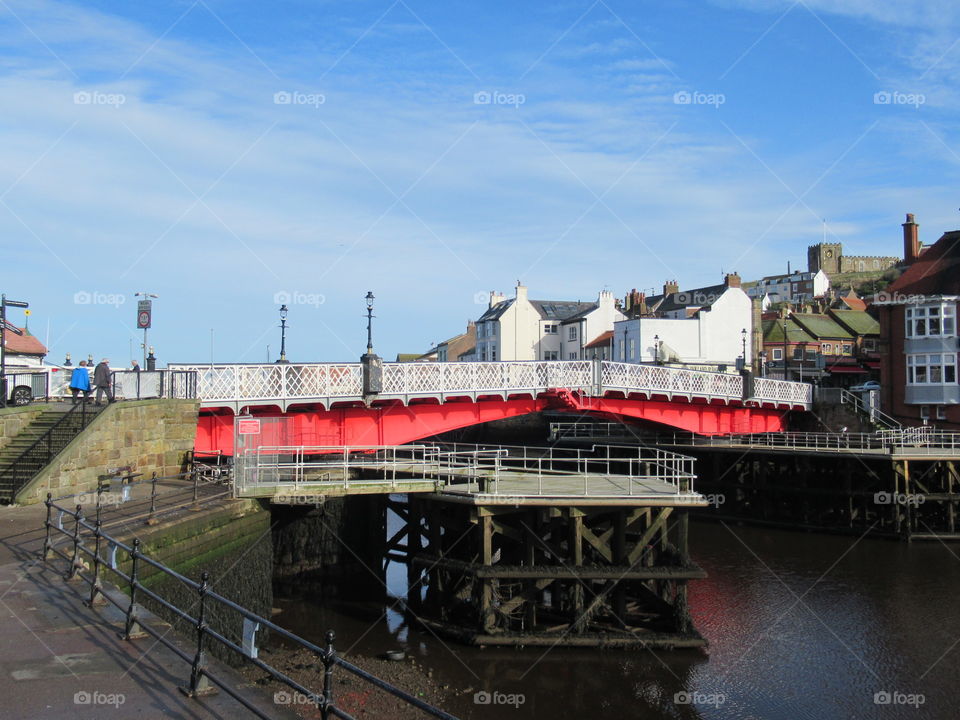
(800, 626)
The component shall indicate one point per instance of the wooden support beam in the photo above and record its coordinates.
(638, 549)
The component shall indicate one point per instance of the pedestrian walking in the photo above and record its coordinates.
(101, 379)
(80, 382)
(134, 366)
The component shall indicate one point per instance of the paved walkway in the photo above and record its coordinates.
(60, 659)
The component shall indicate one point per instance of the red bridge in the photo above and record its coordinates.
(324, 402)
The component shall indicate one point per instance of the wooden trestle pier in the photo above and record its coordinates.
(518, 545)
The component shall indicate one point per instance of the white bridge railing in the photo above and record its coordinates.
(287, 383)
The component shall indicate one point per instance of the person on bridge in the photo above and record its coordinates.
(80, 382)
(101, 379)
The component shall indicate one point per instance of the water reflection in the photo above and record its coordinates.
(799, 625)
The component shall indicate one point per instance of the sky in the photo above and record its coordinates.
(232, 156)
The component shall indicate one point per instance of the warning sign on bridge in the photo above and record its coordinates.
(248, 426)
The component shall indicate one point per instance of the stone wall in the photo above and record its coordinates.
(232, 541)
(145, 435)
(15, 419)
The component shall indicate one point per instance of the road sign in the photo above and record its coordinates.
(143, 314)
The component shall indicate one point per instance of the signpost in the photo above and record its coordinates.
(145, 319)
(6, 326)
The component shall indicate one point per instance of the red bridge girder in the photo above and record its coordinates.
(398, 424)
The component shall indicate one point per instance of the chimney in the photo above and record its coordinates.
(521, 292)
(732, 280)
(495, 298)
(670, 287)
(911, 240)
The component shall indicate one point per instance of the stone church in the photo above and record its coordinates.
(829, 257)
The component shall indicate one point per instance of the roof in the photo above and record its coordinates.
(25, 344)
(698, 297)
(935, 272)
(853, 302)
(548, 309)
(857, 321)
(600, 340)
(773, 332)
(583, 313)
(560, 309)
(821, 326)
(408, 357)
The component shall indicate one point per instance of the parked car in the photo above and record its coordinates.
(868, 385)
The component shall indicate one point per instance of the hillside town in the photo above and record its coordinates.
(846, 322)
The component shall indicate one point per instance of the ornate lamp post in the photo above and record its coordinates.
(369, 298)
(283, 335)
(743, 339)
(371, 365)
(656, 349)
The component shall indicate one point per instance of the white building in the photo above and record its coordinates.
(792, 287)
(696, 327)
(524, 329)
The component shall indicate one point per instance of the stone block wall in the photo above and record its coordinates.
(15, 419)
(146, 435)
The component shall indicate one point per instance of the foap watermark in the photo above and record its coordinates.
(686, 697)
(83, 297)
(295, 97)
(886, 297)
(288, 697)
(95, 97)
(685, 97)
(895, 97)
(715, 500)
(283, 297)
(895, 697)
(299, 499)
(495, 97)
(105, 498)
(888, 498)
(95, 697)
(483, 697)
(697, 298)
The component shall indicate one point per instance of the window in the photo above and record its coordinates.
(811, 354)
(869, 344)
(493, 354)
(798, 353)
(572, 356)
(938, 368)
(925, 412)
(932, 321)
(623, 350)
(633, 349)
(572, 333)
(941, 412)
(777, 354)
(847, 349)
(550, 329)
(827, 349)
(550, 354)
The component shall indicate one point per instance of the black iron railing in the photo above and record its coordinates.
(143, 384)
(89, 565)
(24, 387)
(43, 450)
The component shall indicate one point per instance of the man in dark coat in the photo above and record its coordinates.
(101, 379)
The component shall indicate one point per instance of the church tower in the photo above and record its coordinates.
(824, 256)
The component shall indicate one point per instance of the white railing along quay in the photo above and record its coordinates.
(237, 385)
(883, 441)
(514, 471)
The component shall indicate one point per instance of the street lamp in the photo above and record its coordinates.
(743, 339)
(283, 335)
(369, 298)
(656, 349)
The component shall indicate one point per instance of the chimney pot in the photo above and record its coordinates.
(911, 240)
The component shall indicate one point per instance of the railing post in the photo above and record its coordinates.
(72, 573)
(329, 659)
(46, 541)
(151, 520)
(131, 628)
(196, 489)
(199, 684)
(96, 588)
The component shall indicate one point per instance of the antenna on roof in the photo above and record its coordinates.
(824, 229)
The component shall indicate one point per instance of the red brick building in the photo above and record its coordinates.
(918, 334)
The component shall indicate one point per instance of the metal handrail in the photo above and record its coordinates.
(200, 672)
(47, 437)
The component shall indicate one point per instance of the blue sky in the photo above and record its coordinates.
(226, 154)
